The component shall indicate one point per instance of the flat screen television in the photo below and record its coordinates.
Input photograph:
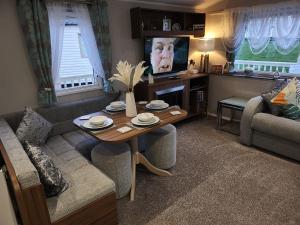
(165, 55)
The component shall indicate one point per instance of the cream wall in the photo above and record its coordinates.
(123, 46)
(18, 86)
(223, 86)
(17, 82)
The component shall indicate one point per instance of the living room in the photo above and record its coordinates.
(213, 153)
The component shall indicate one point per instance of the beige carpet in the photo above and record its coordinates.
(216, 181)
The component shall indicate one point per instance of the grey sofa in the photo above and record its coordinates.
(89, 189)
(273, 133)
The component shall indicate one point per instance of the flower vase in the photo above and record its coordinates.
(130, 104)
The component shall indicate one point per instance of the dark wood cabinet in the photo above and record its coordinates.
(149, 22)
(189, 91)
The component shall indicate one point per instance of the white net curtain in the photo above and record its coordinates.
(278, 22)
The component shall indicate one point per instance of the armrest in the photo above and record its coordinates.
(254, 105)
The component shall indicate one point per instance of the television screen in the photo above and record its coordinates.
(166, 54)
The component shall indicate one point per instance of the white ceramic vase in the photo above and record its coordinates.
(130, 104)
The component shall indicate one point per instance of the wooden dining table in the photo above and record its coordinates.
(111, 135)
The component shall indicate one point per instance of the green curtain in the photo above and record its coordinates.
(99, 18)
(33, 18)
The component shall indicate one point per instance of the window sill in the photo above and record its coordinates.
(76, 90)
(260, 76)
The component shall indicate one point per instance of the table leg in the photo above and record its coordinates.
(138, 158)
(134, 151)
(142, 160)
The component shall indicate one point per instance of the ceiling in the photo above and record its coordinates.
(208, 5)
(180, 2)
(198, 4)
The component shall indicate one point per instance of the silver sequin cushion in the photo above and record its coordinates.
(33, 128)
(50, 176)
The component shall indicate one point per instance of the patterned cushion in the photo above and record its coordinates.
(33, 128)
(289, 97)
(50, 176)
(291, 111)
(268, 96)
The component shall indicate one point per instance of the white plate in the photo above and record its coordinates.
(89, 126)
(148, 122)
(109, 108)
(135, 121)
(163, 106)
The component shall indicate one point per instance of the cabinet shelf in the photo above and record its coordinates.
(198, 88)
(195, 103)
(149, 22)
(172, 33)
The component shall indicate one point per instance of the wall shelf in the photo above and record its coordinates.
(149, 22)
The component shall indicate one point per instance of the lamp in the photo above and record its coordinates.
(205, 46)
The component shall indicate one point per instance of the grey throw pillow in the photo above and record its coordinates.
(273, 109)
(33, 128)
(50, 176)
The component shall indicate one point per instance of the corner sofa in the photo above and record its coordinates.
(277, 134)
(90, 198)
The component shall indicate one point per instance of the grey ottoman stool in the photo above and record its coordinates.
(115, 161)
(160, 146)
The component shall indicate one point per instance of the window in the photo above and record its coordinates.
(75, 69)
(82, 47)
(271, 44)
(76, 64)
(269, 60)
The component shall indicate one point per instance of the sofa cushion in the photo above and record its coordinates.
(51, 177)
(277, 126)
(25, 171)
(62, 115)
(33, 128)
(86, 182)
(82, 142)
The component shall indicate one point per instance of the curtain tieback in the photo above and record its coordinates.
(48, 89)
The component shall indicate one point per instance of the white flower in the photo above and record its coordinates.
(126, 76)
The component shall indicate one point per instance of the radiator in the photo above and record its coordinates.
(7, 214)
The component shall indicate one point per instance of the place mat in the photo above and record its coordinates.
(103, 130)
(164, 110)
(142, 127)
(134, 127)
(111, 113)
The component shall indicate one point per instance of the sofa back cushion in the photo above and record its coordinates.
(61, 115)
(25, 171)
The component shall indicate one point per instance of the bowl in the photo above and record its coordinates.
(117, 104)
(157, 103)
(97, 120)
(145, 117)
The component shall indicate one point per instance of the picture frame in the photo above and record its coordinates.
(217, 69)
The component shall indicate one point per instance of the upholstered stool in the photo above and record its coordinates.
(160, 146)
(115, 161)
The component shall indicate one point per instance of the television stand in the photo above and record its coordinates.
(189, 91)
(174, 77)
